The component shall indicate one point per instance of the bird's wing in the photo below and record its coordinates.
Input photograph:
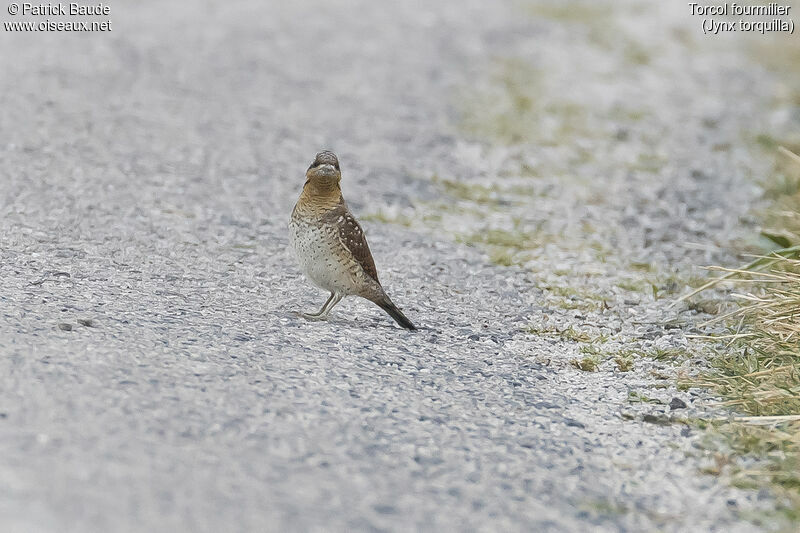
(352, 237)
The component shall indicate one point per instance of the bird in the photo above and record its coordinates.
(330, 245)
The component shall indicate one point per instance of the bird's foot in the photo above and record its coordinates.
(313, 317)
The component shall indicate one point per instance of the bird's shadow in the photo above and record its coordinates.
(360, 323)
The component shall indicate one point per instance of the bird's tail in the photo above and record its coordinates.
(386, 304)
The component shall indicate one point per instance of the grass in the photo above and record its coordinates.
(502, 246)
(590, 363)
(763, 377)
(605, 508)
(594, 355)
(782, 219)
(624, 362)
(502, 257)
(515, 240)
(511, 110)
(638, 397)
(778, 468)
(507, 247)
(633, 285)
(573, 292)
(569, 334)
(708, 306)
(756, 368)
(485, 204)
(668, 354)
(484, 194)
(572, 298)
(590, 350)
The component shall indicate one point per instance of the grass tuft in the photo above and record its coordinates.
(589, 363)
(763, 375)
(624, 362)
(757, 364)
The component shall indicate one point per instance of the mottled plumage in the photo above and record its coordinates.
(330, 244)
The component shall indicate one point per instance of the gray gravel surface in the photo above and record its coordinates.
(154, 375)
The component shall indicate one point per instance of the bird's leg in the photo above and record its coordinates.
(318, 314)
(330, 304)
(322, 314)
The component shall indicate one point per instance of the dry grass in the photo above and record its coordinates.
(763, 378)
(624, 362)
(757, 367)
(589, 363)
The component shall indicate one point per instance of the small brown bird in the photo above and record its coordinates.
(330, 244)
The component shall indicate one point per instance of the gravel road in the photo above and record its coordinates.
(154, 375)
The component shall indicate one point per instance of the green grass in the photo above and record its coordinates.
(572, 298)
(570, 334)
(510, 239)
(669, 354)
(578, 305)
(591, 350)
(506, 247)
(603, 508)
(633, 285)
(638, 397)
(502, 258)
(485, 194)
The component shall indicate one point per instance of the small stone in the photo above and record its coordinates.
(63, 326)
(660, 420)
(384, 509)
(574, 423)
(677, 403)
(88, 322)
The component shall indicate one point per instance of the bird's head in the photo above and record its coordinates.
(324, 171)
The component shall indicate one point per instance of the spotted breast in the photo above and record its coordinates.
(320, 243)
